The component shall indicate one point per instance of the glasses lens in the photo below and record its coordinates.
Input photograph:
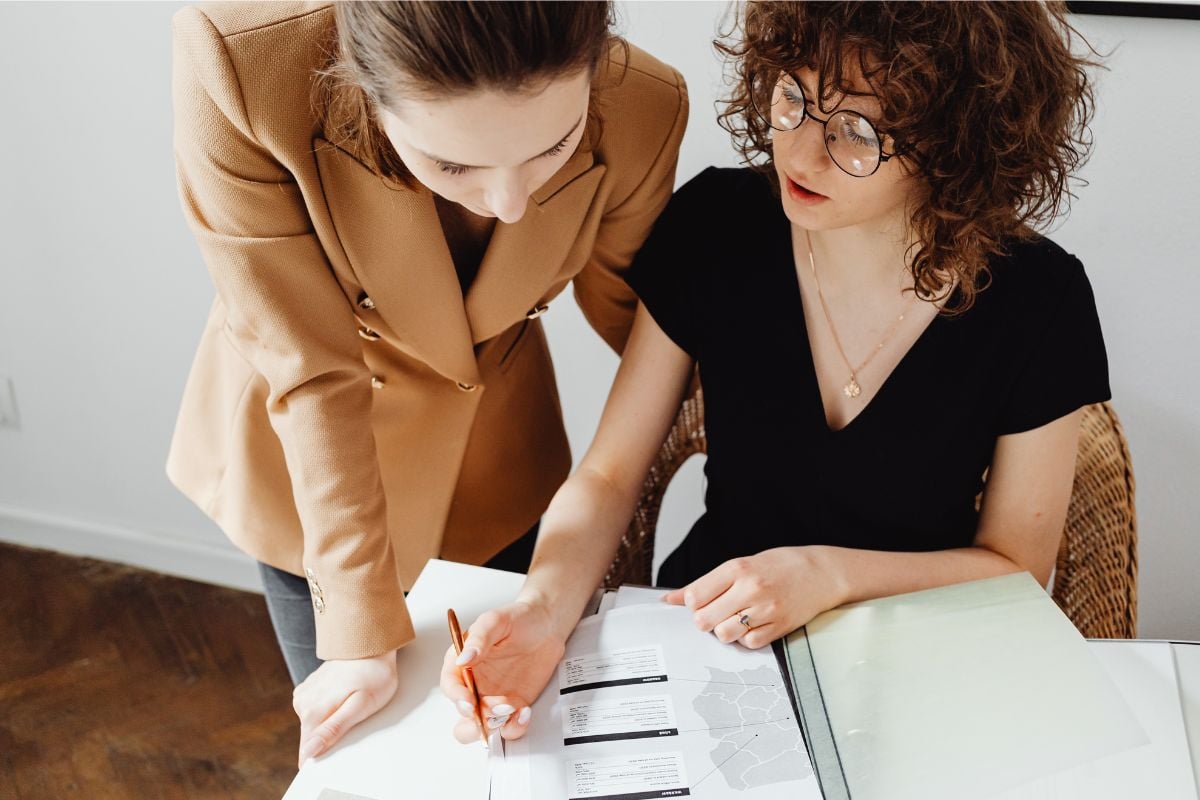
(787, 104)
(853, 143)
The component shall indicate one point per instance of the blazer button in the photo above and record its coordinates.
(377, 382)
(467, 387)
(368, 334)
(314, 589)
(536, 312)
(365, 302)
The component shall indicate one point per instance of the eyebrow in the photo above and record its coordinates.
(809, 98)
(574, 128)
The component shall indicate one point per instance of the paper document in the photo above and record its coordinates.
(646, 706)
(619, 718)
(624, 667)
(637, 595)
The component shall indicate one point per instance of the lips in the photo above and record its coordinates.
(804, 191)
(802, 195)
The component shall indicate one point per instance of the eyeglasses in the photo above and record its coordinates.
(850, 139)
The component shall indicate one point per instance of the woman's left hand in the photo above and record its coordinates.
(775, 592)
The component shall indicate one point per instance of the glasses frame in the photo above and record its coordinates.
(806, 114)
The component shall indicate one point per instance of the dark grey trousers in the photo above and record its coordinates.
(290, 605)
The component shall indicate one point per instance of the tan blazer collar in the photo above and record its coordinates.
(523, 258)
(393, 240)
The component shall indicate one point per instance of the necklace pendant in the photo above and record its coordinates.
(852, 389)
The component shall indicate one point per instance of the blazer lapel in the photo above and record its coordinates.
(523, 258)
(393, 240)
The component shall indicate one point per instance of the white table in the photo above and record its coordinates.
(407, 751)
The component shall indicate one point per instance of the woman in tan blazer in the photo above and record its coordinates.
(388, 196)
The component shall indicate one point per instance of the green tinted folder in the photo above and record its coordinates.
(959, 692)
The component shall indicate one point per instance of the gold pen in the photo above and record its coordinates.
(468, 678)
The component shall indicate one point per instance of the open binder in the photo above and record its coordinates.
(405, 749)
(982, 689)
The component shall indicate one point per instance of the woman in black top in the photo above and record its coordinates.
(876, 325)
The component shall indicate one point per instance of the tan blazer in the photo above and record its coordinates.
(349, 414)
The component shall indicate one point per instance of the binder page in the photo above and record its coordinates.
(963, 691)
(635, 595)
(1145, 673)
(646, 706)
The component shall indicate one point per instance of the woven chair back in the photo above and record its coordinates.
(1095, 577)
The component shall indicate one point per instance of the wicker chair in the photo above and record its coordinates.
(1095, 580)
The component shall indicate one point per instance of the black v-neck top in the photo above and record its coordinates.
(718, 275)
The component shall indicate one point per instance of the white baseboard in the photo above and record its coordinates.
(200, 561)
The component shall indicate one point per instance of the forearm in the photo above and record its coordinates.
(867, 574)
(583, 526)
(579, 536)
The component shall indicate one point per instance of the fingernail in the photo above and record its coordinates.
(497, 722)
(309, 749)
(523, 717)
(466, 656)
(465, 708)
(502, 710)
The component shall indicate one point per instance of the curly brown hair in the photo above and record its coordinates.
(987, 103)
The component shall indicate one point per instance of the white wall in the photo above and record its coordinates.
(102, 292)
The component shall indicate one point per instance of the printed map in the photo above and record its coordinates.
(758, 738)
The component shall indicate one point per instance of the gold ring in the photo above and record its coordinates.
(745, 620)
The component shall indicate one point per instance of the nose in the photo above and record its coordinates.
(507, 197)
(804, 147)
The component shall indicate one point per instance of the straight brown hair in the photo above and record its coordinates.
(384, 52)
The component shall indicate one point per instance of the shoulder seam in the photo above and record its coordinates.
(264, 26)
(673, 84)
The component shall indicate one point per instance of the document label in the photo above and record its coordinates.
(633, 777)
(624, 667)
(620, 718)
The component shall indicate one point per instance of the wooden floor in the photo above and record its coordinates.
(119, 683)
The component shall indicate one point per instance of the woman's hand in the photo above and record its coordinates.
(777, 591)
(512, 652)
(338, 696)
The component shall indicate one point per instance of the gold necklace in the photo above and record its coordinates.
(851, 389)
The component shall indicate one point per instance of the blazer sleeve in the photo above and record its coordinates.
(289, 319)
(606, 300)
